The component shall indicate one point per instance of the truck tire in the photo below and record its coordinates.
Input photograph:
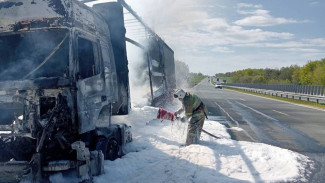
(109, 147)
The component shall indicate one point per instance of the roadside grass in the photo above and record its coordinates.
(302, 102)
(211, 82)
(228, 79)
(195, 79)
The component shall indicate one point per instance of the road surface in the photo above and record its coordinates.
(259, 119)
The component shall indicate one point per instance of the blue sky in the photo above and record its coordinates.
(214, 36)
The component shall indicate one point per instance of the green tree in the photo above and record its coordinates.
(286, 73)
(271, 74)
(258, 79)
(295, 75)
(319, 73)
(306, 73)
(313, 73)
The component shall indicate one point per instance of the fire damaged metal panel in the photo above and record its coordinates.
(87, 19)
(169, 63)
(155, 62)
(155, 52)
(10, 4)
(162, 62)
(23, 15)
(58, 80)
(91, 93)
(109, 72)
(162, 70)
(113, 14)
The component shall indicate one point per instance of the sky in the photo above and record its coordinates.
(156, 155)
(217, 36)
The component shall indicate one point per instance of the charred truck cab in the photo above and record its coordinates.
(59, 87)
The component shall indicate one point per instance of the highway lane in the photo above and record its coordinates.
(274, 122)
(265, 120)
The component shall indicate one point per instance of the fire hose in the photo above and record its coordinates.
(165, 115)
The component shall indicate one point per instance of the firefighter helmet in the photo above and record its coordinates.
(179, 93)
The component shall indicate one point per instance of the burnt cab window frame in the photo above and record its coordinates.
(88, 39)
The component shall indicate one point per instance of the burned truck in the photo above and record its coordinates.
(61, 79)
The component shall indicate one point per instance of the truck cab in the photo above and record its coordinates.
(59, 87)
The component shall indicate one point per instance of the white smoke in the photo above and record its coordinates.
(138, 76)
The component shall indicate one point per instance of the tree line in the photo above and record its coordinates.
(185, 78)
(313, 73)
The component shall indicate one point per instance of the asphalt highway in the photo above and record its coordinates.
(282, 124)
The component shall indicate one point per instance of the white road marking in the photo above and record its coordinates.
(280, 112)
(256, 111)
(232, 119)
(235, 122)
(242, 99)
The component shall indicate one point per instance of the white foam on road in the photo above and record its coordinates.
(156, 155)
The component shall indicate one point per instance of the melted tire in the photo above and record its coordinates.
(109, 147)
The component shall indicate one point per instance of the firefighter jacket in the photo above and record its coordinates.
(192, 105)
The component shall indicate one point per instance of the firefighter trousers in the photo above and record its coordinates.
(194, 129)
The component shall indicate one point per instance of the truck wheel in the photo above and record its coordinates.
(109, 147)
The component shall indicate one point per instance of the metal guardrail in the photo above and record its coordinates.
(299, 92)
(302, 89)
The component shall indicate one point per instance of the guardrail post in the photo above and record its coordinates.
(300, 88)
(319, 90)
(322, 91)
(309, 89)
(296, 88)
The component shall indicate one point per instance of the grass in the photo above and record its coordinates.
(195, 79)
(228, 79)
(312, 104)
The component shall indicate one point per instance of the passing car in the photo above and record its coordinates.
(218, 86)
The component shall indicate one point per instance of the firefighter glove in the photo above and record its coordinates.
(177, 117)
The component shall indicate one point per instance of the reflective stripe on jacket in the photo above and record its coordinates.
(190, 103)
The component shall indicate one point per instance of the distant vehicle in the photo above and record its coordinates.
(218, 86)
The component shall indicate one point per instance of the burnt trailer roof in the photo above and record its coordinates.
(22, 15)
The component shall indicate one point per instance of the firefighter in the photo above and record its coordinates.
(195, 112)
